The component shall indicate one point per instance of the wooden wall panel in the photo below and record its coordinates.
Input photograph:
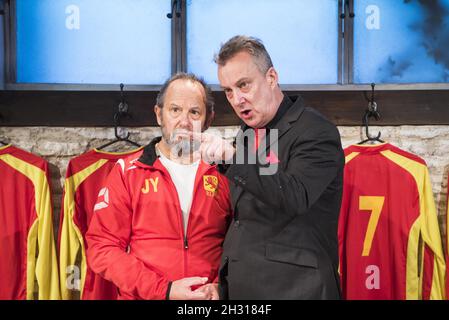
(96, 108)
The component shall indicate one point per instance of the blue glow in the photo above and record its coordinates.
(117, 41)
(401, 41)
(301, 36)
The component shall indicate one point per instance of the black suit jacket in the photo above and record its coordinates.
(283, 241)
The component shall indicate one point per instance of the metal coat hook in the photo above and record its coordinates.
(122, 112)
(176, 3)
(123, 106)
(366, 124)
(116, 125)
(372, 105)
(371, 112)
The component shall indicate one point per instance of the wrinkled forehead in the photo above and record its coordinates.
(187, 91)
(241, 65)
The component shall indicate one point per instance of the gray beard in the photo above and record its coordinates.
(181, 148)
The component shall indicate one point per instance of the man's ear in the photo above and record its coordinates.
(158, 112)
(272, 77)
(209, 120)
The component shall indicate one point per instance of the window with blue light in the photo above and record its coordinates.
(130, 41)
(301, 36)
(93, 41)
(403, 41)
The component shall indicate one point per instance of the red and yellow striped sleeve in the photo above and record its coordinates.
(41, 254)
(426, 226)
(71, 238)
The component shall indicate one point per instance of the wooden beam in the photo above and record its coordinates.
(97, 108)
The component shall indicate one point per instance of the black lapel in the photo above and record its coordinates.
(235, 195)
(284, 124)
(238, 190)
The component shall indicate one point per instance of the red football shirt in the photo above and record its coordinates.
(28, 263)
(389, 239)
(85, 177)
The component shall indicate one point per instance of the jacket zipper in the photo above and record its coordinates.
(184, 234)
(181, 220)
(195, 188)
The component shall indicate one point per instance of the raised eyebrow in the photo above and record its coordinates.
(240, 81)
(174, 105)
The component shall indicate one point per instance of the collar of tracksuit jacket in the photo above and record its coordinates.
(149, 155)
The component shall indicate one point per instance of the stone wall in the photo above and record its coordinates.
(58, 145)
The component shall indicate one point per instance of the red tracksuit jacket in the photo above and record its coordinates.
(136, 237)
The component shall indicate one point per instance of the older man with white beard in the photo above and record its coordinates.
(160, 234)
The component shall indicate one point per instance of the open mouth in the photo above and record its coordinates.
(246, 114)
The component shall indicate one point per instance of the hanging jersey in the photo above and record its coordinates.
(85, 177)
(389, 240)
(28, 264)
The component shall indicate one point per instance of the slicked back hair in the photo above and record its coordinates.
(251, 45)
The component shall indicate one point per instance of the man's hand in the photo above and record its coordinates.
(211, 291)
(181, 289)
(214, 148)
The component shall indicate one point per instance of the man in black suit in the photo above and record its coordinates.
(283, 242)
